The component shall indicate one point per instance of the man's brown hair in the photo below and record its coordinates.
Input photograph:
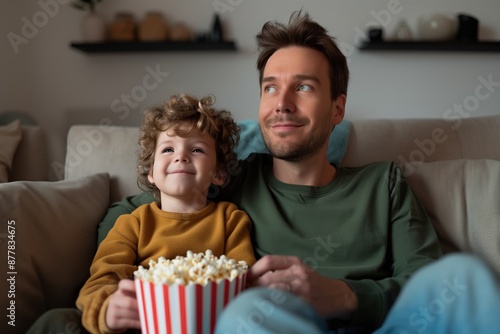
(303, 32)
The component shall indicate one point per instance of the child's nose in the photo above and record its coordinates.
(182, 157)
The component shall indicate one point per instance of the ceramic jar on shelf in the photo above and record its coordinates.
(123, 27)
(436, 27)
(153, 28)
(93, 28)
(180, 32)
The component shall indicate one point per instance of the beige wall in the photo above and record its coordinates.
(60, 86)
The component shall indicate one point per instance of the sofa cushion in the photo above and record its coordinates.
(51, 230)
(462, 198)
(10, 136)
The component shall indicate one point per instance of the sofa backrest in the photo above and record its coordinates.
(113, 149)
(410, 142)
(93, 149)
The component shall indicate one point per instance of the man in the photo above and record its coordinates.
(373, 232)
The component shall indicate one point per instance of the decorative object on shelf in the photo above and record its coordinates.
(436, 27)
(402, 31)
(468, 27)
(94, 28)
(153, 28)
(217, 34)
(93, 25)
(89, 5)
(375, 35)
(122, 28)
(180, 32)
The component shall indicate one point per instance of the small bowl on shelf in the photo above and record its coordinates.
(436, 27)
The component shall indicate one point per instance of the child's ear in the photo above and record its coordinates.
(150, 175)
(219, 178)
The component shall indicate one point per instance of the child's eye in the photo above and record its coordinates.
(197, 150)
(167, 150)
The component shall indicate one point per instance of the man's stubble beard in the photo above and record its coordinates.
(300, 151)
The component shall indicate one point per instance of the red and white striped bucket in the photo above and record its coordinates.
(184, 309)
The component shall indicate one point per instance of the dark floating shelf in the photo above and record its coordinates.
(169, 46)
(485, 46)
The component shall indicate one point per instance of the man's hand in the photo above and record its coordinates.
(331, 298)
(122, 312)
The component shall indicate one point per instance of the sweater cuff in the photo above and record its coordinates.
(371, 308)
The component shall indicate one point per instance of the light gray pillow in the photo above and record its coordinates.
(462, 198)
(51, 230)
(30, 160)
(10, 136)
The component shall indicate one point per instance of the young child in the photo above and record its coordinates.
(185, 146)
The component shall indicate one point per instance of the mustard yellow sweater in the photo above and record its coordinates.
(148, 233)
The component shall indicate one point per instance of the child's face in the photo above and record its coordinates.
(184, 167)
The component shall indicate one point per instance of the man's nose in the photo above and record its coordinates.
(285, 102)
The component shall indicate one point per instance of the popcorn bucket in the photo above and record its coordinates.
(184, 309)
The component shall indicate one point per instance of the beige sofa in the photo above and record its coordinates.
(50, 227)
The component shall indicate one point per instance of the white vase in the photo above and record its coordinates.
(436, 27)
(93, 28)
(403, 31)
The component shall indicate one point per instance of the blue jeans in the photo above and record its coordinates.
(456, 294)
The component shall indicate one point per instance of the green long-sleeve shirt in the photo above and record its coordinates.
(365, 227)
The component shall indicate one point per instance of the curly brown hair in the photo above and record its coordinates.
(304, 32)
(196, 114)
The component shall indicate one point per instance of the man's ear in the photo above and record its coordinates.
(338, 109)
(219, 178)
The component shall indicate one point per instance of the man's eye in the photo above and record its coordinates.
(270, 89)
(304, 88)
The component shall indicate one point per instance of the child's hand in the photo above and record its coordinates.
(122, 312)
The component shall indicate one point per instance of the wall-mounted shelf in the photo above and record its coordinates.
(168, 46)
(485, 46)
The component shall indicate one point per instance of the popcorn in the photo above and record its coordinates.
(194, 268)
(187, 294)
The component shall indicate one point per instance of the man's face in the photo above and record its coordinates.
(296, 111)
